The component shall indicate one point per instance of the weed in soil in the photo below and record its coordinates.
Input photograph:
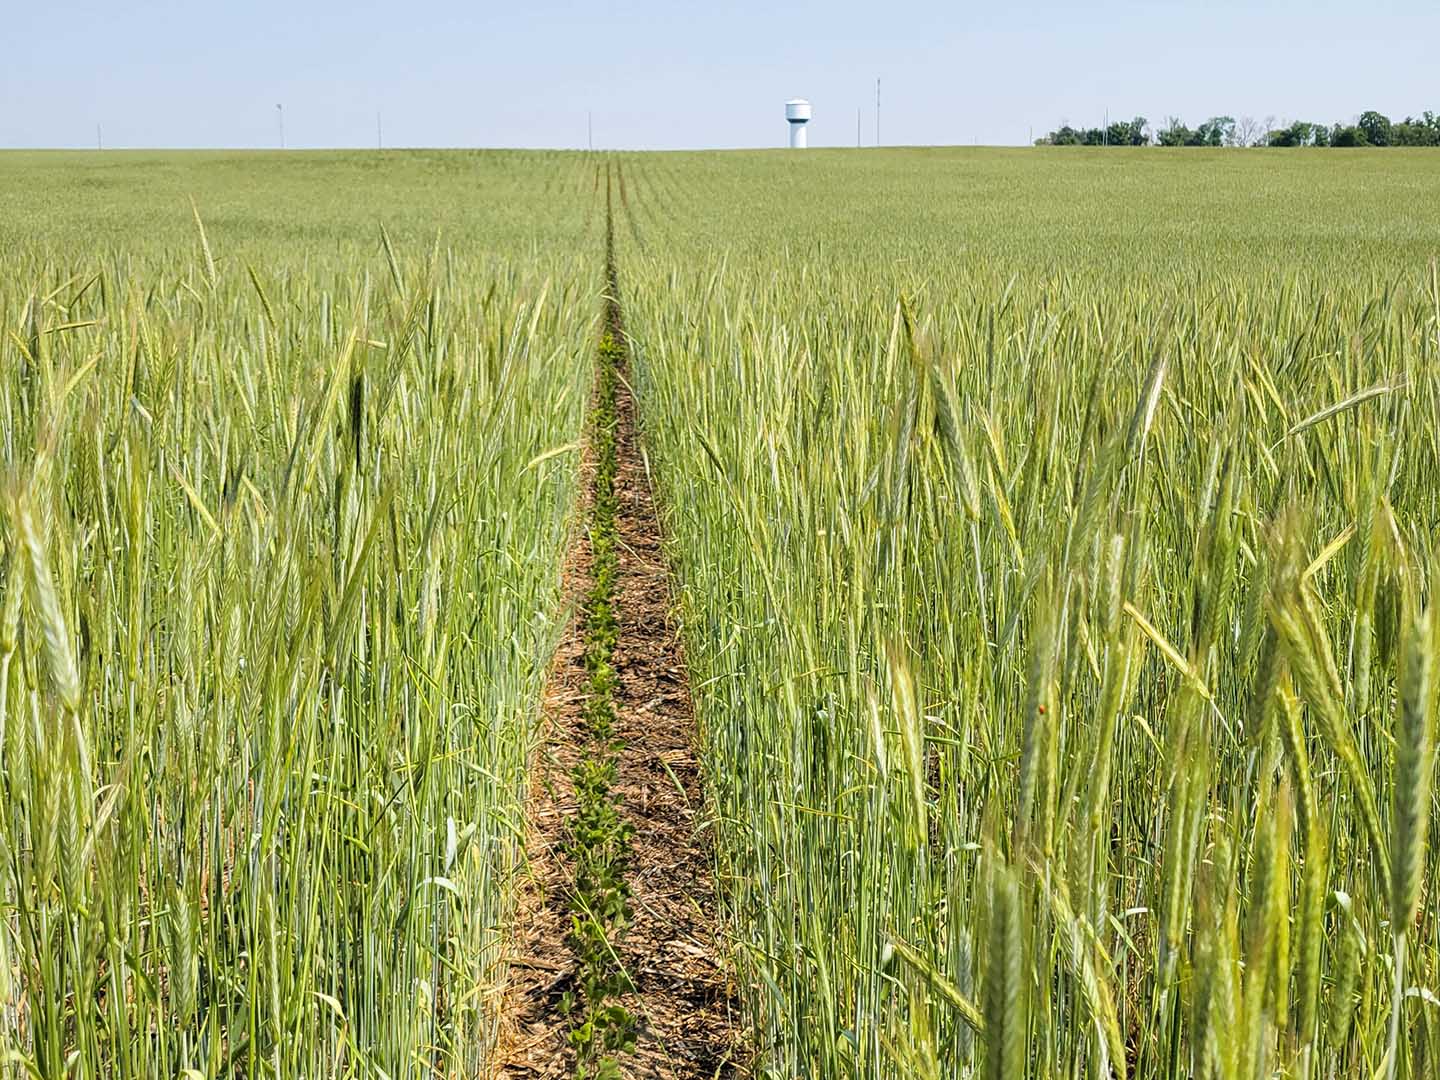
(599, 837)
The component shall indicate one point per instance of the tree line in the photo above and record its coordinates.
(1370, 129)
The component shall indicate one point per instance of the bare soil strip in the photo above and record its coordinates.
(687, 1023)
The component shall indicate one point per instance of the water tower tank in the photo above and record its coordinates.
(797, 111)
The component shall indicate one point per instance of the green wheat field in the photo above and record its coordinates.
(1055, 543)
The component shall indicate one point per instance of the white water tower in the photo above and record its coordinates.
(797, 111)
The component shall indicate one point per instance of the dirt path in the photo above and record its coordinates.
(679, 996)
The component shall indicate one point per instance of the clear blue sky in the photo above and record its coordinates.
(673, 74)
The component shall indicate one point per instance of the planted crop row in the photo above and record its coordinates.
(599, 837)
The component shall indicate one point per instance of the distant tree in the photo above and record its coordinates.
(1416, 132)
(1301, 133)
(1064, 135)
(1134, 132)
(1174, 133)
(1370, 129)
(1247, 131)
(1217, 131)
(1341, 135)
(1128, 132)
(1376, 127)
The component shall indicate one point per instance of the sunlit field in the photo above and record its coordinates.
(1056, 537)
(1053, 534)
(283, 520)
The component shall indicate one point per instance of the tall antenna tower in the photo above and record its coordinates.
(877, 112)
(280, 116)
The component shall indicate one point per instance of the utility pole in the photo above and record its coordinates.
(590, 129)
(857, 128)
(379, 132)
(1105, 138)
(280, 115)
(877, 112)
